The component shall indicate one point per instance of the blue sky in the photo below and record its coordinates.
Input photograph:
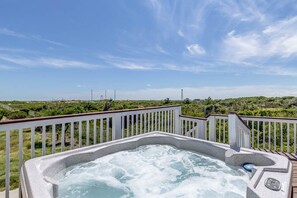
(147, 49)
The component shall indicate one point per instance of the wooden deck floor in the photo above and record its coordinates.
(293, 159)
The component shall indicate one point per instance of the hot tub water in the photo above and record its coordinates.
(153, 171)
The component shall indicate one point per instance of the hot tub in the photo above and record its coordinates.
(157, 164)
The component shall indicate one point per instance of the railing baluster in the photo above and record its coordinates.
(63, 137)
(7, 166)
(95, 131)
(137, 115)
(53, 138)
(141, 123)
(144, 131)
(263, 135)
(132, 125)
(253, 134)
(172, 121)
(269, 130)
(80, 134)
(152, 117)
(169, 121)
(159, 121)
(274, 134)
(162, 121)
(281, 127)
(219, 130)
(88, 133)
(44, 140)
(128, 125)
(107, 129)
(258, 134)
(165, 121)
(294, 124)
(72, 136)
(156, 121)
(123, 125)
(148, 122)
(288, 137)
(101, 130)
(32, 142)
(186, 127)
(224, 132)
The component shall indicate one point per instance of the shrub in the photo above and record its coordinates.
(16, 115)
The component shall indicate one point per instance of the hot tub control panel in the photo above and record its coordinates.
(273, 184)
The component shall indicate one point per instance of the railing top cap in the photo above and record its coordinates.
(254, 117)
(192, 117)
(83, 114)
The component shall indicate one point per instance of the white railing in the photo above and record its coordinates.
(272, 133)
(193, 127)
(60, 133)
(218, 128)
(277, 134)
(239, 132)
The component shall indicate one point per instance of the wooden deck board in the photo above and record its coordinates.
(293, 159)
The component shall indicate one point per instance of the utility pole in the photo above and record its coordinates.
(182, 94)
(91, 94)
(105, 94)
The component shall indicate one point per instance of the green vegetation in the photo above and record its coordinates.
(256, 106)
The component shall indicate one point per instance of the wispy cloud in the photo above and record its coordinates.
(47, 62)
(277, 71)
(243, 10)
(195, 50)
(8, 32)
(278, 39)
(126, 63)
(146, 64)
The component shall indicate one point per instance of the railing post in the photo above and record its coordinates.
(201, 126)
(232, 136)
(117, 126)
(177, 113)
(212, 128)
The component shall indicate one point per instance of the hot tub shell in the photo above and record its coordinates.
(37, 174)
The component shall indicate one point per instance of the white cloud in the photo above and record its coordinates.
(47, 61)
(277, 70)
(144, 64)
(8, 32)
(161, 50)
(279, 40)
(245, 11)
(180, 33)
(148, 85)
(133, 66)
(195, 50)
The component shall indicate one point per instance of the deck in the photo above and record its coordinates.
(293, 159)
